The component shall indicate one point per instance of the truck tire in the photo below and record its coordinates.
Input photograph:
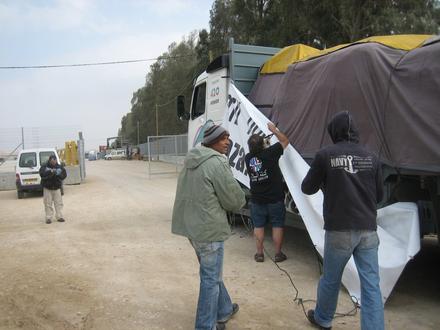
(20, 194)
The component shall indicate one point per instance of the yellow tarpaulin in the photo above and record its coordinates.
(286, 56)
(299, 53)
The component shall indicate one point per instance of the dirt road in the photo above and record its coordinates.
(115, 265)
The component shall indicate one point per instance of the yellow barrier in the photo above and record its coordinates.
(70, 153)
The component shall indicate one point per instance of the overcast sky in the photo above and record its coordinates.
(91, 99)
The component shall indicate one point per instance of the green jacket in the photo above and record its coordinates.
(206, 190)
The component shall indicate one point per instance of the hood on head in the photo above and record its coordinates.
(50, 158)
(343, 128)
(198, 155)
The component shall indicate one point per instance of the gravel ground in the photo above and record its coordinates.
(115, 265)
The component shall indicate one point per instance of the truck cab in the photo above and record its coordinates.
(210, 94)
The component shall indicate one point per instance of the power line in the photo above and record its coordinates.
(174, 99)
(92, 64)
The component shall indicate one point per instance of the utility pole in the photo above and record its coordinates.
(157, 122)
(138, 131)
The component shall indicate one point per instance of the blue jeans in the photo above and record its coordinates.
(338, 248)
(214, 301)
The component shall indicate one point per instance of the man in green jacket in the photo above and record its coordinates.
(206, 190)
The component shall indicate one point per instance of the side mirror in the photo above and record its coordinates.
(181, 113)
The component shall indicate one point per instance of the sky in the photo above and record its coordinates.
(54, 104)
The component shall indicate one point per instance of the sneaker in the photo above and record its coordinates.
(235, 309)
(48, 221)
(60, 220)
(220, 326)
(311, 318)
(280, 257)
(259, 257)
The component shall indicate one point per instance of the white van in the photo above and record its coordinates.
(116, 154)
(27, 176)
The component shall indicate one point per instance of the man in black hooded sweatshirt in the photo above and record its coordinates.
(351, 180)
(52, 175)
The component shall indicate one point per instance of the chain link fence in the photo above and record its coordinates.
(12, 140)
(165, 154)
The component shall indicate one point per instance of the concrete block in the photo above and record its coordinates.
(73, 175)
(7, 181)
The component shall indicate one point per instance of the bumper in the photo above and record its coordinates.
(28, 187)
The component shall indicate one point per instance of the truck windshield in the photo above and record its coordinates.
(44, 156)
(28, 159)
(199, 100)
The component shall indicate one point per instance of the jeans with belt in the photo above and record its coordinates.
(339, 246)
(214, 301)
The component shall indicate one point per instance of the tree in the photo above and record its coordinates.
(172, 74)
(277, 23)
(318, 23)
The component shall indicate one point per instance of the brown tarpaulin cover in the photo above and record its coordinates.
(394, 96)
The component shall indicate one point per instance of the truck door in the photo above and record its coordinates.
(217, 95)
(197, 123)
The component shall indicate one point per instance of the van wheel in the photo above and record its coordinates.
(20, 194)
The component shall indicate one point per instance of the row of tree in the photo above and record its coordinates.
(277, 23)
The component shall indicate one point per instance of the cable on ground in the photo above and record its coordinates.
(297, 298)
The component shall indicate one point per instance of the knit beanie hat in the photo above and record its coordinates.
(213, 134)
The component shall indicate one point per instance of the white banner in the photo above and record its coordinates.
(398, 224)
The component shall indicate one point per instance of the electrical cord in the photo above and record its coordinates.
(297, 298)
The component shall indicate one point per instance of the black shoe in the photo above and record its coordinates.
(220, 326)
(60, 220)
(48, 221)
(280, 257)
(311, 318)
(235, 309)
(259, 257)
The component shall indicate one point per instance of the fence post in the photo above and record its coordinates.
(81, 154)
(22, 138)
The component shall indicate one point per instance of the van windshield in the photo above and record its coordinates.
(28, 159)
(44, 156)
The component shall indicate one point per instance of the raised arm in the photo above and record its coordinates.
(284, 141)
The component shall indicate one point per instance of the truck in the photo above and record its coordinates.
(256, 72)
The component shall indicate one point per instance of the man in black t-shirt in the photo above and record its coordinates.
(267, 193)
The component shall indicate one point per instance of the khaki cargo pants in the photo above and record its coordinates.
(49, 197)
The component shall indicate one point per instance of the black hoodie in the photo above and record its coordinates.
(349, 176)
(52, 176)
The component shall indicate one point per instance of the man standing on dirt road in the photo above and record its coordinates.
(52, 176)
(206, 190)
(351, 180)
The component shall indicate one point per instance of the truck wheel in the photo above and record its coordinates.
(20, 194)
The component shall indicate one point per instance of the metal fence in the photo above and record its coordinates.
(36, 137)
(164, 153)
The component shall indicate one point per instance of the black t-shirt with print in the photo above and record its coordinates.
(265, 175)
